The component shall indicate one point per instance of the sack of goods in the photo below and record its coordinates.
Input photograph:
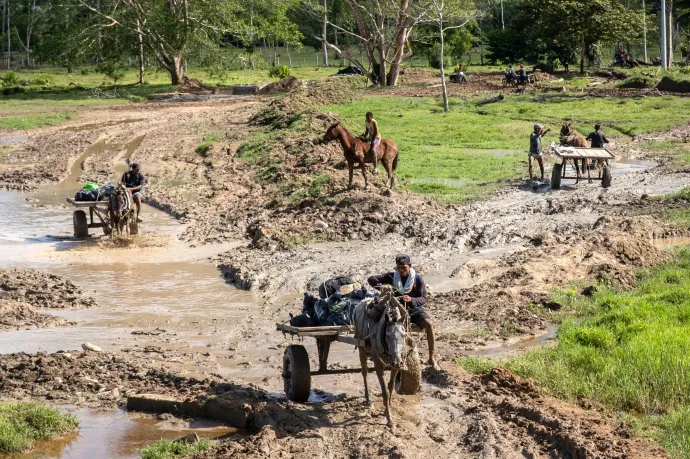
(338, 298)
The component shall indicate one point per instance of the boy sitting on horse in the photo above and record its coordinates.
(372, 135)
(134, 181)
(411, 291)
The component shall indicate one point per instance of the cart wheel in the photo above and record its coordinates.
(133, 226)
(408, 382)
(606, 177)
(81, 226)
(296, 373)
(556, 173)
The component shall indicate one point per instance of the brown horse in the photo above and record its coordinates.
(356, 151)
(571, 138)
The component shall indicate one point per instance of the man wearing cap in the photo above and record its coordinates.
(134, 181)
(411, 291)
(535, 148)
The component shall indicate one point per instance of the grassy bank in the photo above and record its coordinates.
(629, 351)
(472, 150)
(23, 424)
(168, 449)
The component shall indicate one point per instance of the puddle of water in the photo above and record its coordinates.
(517, 347)
(671, 242)
(17, 139)
(94, 126)
(626, 166)
(118, 434)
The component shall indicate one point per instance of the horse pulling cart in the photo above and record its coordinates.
(600, 156)
(297, 372)
(98, 209)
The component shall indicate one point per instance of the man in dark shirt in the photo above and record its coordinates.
(134, 181)
(522, 73)
(597, 138)
(411, 291)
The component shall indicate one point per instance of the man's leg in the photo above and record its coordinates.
(372, 152)
(426, 325)
(530, 166)
(137, 204)
(540, 160)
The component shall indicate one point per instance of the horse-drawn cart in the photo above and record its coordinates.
(297, 372)
(600, 156)
(98, 209)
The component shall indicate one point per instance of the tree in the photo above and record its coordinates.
(383, 27)
(171, 30)
(447, 15)
(585, 22)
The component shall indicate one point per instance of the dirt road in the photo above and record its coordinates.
(162, 308)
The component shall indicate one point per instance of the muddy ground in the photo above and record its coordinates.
(23, 293)
(486, 264)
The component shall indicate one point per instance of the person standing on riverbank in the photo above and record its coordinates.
(535, 149)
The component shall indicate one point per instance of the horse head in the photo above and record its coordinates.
(396, 333)
(565, 129)
(331, 133)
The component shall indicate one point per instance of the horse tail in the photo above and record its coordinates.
(395, 160)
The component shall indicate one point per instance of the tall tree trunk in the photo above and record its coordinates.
(382, 64)
(503, 23)
(99, 38)
(9, 38)
(669, 27)
(644, 29)
(142, 68)
(324, 34)
(176, 69)
(443, 73)
(582, 53)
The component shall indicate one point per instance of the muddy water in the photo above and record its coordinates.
(119, 435)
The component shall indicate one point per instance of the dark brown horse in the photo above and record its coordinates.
(571, 138)
(356, 151)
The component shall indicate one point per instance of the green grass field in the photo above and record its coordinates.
(629, 351)
(23, 424)
(470, 151)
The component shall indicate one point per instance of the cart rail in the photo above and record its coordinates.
(582, 153)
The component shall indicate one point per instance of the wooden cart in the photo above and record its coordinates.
(574, 154)
(100, 210)
(297, 372)
(82, 225)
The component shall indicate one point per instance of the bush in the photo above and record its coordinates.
(433, 54)
(23, 424)
(279, 71)
(10, 79)
(168, 449)
(85, 71)
(112, 71)
(41, 80)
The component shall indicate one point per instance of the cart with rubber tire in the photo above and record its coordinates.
(99, 209)
(297, 371)
(600, 156)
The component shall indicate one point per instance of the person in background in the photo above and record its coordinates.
(597, 138)
(535, 149)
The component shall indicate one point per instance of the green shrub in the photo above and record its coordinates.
(85, 71)
(279, 71)
(168, 449)
(434, 56)
(10, 79)
(41, 80)
(23, 424)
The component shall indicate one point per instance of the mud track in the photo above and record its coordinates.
(485, 263)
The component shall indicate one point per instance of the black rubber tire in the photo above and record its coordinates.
(296, 373)
(556, 173)
(409, 381)
(81, 226)
(606, 177)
